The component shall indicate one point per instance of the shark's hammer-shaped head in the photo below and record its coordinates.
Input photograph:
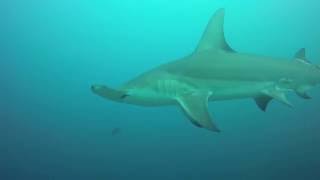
(109, 93)
(149, 89)
(136, 95)
(120, 95)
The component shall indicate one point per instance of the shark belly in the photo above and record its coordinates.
(223, 89)
(238, 90)
(233, 76)
(151, 98)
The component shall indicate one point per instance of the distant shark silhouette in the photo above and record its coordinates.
(214, 71)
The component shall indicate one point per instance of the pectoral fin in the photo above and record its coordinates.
(195, 105)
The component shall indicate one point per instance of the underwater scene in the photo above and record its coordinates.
(159, 90)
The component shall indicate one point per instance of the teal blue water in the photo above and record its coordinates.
(53, 127)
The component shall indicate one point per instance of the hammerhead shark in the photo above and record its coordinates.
(214, 71)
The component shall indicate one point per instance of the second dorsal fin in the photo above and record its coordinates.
(213, 37)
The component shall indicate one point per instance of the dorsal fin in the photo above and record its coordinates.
(301, 54)
(213, 37)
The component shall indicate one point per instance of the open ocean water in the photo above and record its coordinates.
(53, 127)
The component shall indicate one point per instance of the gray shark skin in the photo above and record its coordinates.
(214, 71)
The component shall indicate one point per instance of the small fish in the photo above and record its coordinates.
(115, 131)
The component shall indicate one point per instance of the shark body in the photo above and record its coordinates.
(214, 71)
